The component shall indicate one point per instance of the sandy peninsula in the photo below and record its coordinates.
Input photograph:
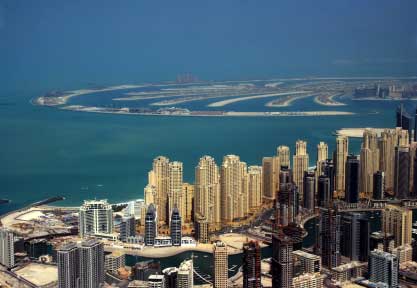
(230, 101)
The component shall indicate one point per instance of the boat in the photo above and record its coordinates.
(4, 201)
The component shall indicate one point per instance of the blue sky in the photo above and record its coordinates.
(52, 44)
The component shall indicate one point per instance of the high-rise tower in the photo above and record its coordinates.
(270, 174)
(95, 217)
(300, 163)
(251, 265)
(68, 262)
(207, 190)
(282, 261)
(233, 192)
(6, 248)
(221, 265)
(342, 149)
(352, 179)
(283, 153)
(91, 264)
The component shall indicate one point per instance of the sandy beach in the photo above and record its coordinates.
(126, 111)
(287, 102)
(330, 101)
(230, 101)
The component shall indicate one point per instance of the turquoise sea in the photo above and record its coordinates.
(46, 152)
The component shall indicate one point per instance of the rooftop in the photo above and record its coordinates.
(39, 274)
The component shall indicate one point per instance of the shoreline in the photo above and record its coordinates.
(234, 100)
(287, 102)
(331, 102)
(126, 111)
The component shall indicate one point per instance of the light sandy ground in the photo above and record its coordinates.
(125, 111)
(31, 215)
(39, 274)
(356, 132)
(63, 99)
(288, 102)
(234, 100)
(232, 240)
(331, 103)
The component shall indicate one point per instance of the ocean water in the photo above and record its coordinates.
(46, 152)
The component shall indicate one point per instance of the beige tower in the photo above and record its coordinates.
(221, 265)
(300, 163)
(342, 148)
(322, 155)
(150, 194)
(398, 221)
(283, 153)
(207, 190)
(402, 137)
(188, 194)
(175, 191)
(387, 143)
(255, 187)
(270, 173)
(232, 187)
(369, 162)
(159, 178)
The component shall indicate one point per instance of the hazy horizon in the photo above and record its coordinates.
(60, 45)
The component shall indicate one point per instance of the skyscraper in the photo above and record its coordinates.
(355, 234)
(150, 194)
(309, 190)
(207, 190)
(330, 171)
(401, 172)
(6, 248)
(398, 221)
(188, 192)
(352, 179)
(322, 155)
(285, 176)
(403, 119)
(383, 268)
(369, 161)
(127, 227)
(254, 187)
(387, 143)
(342, 148)
(175, 189)
(324, 194)
(329, 237)
(379, 185)
(233, 192)
(270, 174)
(201, 229)
(251, 265)
(159, 178)
(156, 281)
(95, 217)
(300, 163)
(68, 262)
(415, 126)
(151, 225)
(282, 261)
(91, 264)
(221, 265)
(185, 274)
(175, 226)
(283, 153)
(170, 275)
(287, 203)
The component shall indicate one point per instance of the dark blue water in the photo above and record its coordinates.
(46, 152)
